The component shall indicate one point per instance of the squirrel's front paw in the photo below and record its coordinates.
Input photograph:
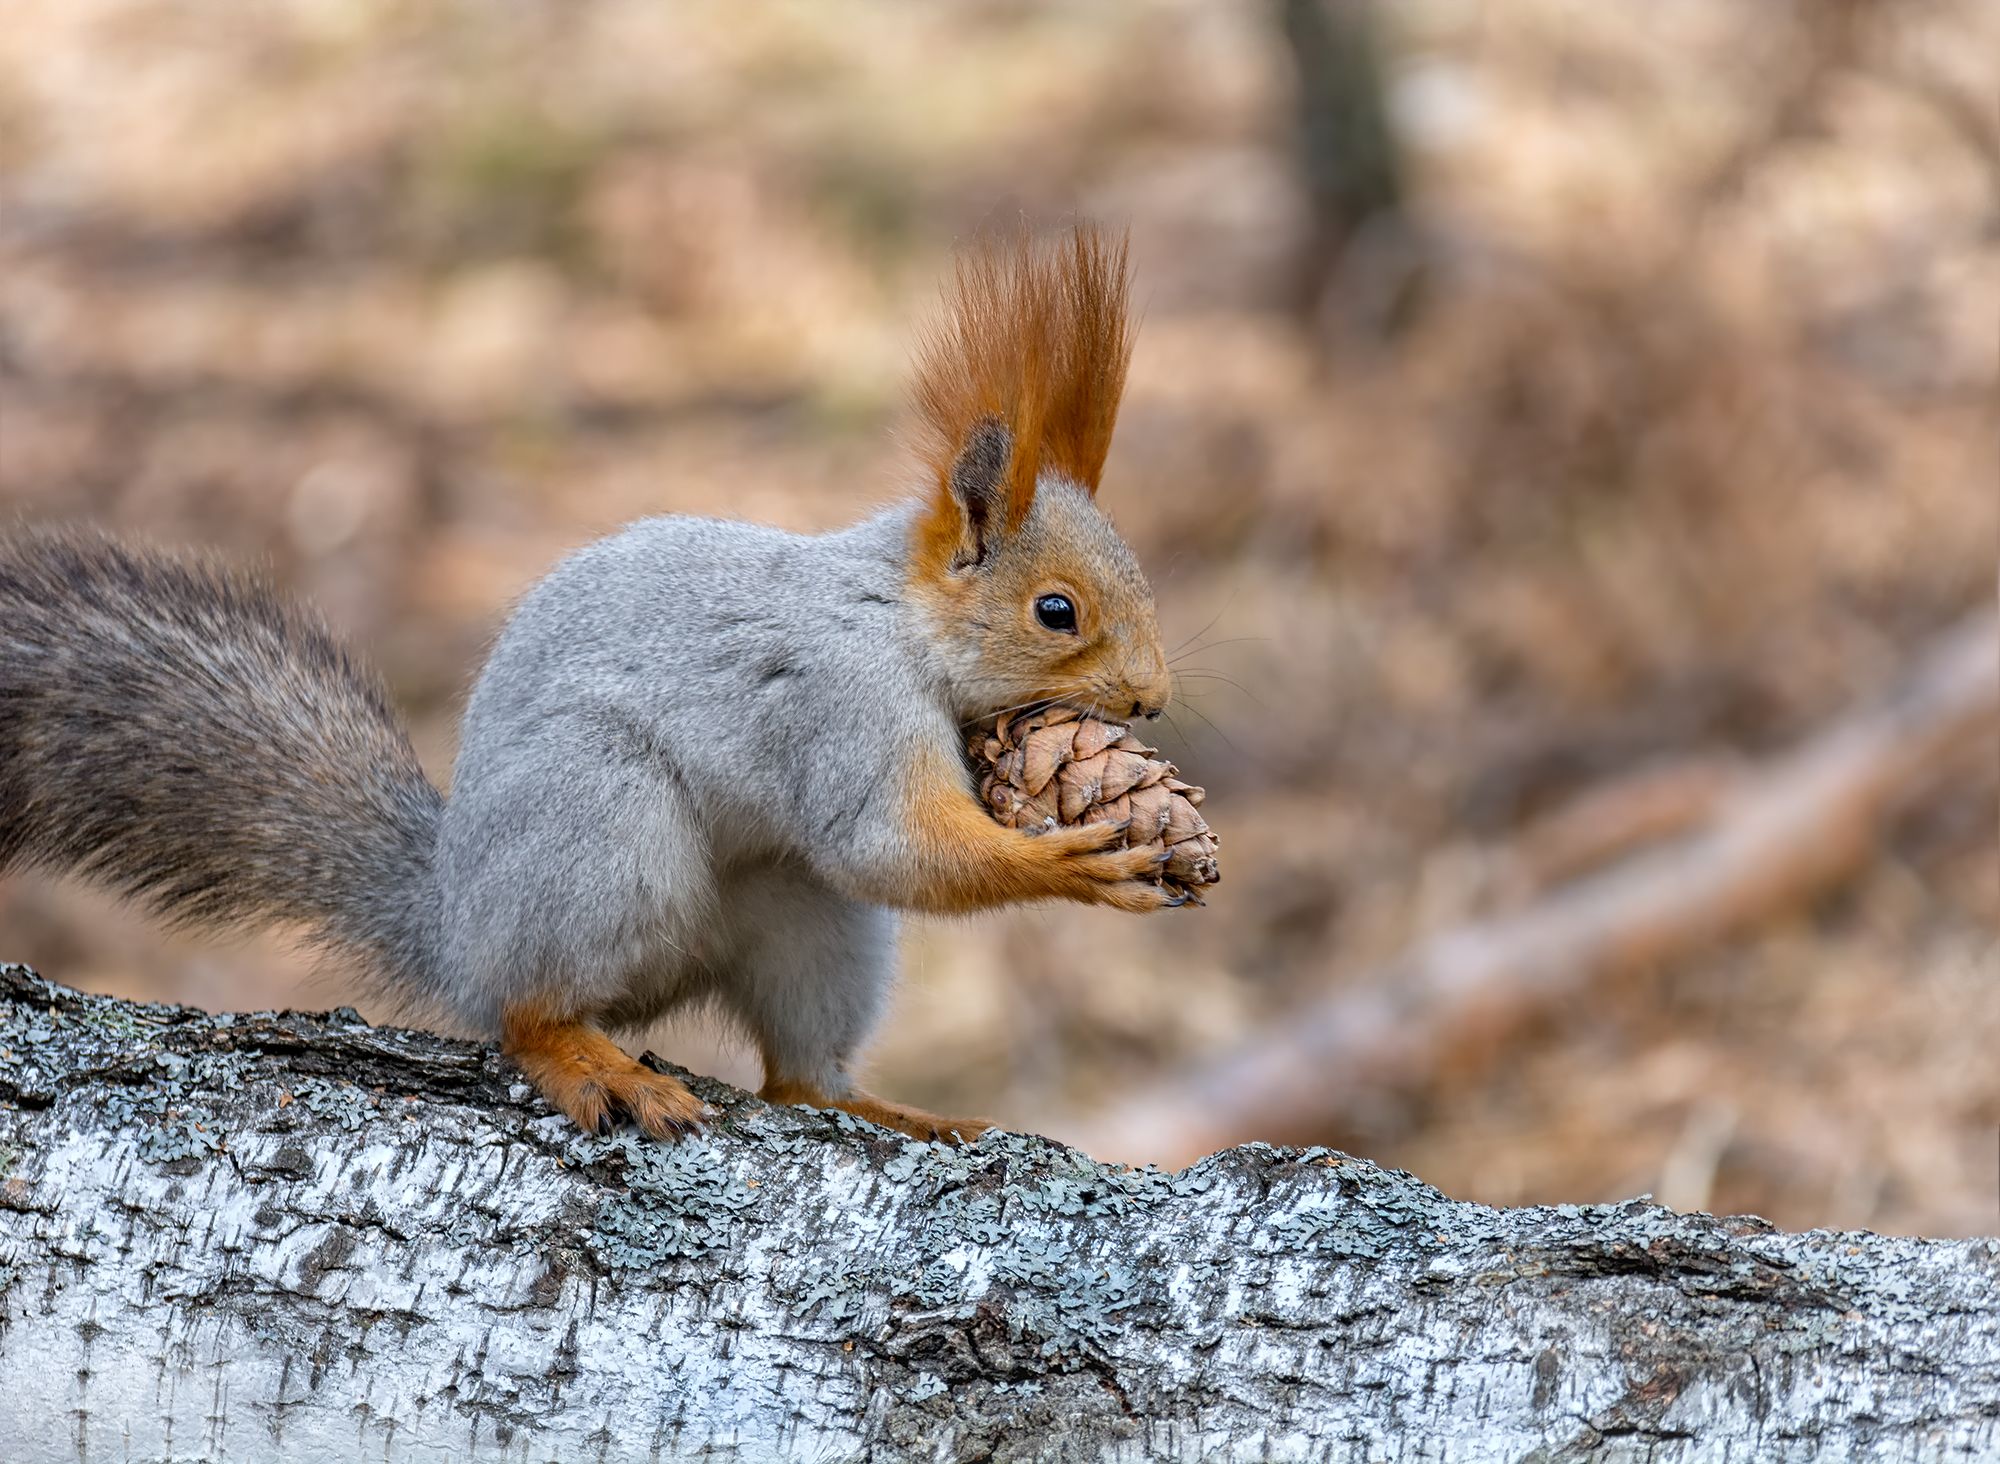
(1100, 872)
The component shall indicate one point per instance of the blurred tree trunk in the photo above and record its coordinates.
(1360, 267)
(299, 1237)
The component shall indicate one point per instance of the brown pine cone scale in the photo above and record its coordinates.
(1054, 767)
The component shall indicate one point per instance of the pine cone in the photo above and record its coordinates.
(1056, 766)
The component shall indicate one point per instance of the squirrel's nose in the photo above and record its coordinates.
(1151, 691)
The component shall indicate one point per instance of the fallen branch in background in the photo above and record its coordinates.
(1606, 823)
(1786, 831)
(290, 1236)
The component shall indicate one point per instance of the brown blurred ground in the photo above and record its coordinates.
(1684, 441)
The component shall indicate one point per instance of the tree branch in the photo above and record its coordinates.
(297, 1236)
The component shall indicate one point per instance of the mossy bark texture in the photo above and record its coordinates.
(299, 1237)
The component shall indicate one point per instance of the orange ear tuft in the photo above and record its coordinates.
(1092, 346)
(1037, 339)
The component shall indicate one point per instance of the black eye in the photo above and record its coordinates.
(1056, 612)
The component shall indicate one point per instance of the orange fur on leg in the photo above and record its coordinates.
(590, 1078)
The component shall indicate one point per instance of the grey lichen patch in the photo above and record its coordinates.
(472, 1225)
(960, 1219)
(1075, 1188)
(679, 1201)
(129, 1024)
(1065, 1307)
(341, 1104)
(1328, 1227)
(34, 1058)
(838, 1296)
(49, 1036)
(172, 1109)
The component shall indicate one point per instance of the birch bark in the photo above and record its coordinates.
(298, 1237)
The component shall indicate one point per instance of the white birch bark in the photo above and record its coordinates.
(297, 1237)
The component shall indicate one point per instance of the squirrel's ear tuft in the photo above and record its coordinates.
(1091, 349)
(1033, 342)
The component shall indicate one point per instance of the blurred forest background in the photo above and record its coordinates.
(1547, 417)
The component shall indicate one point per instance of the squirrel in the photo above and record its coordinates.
(176, 729)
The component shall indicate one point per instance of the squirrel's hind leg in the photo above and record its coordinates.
(577, 884)
(808, 971)
(590, 1078)
(916, 1122)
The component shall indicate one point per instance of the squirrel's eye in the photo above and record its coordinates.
(1056, 612)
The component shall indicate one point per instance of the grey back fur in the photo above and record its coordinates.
(671, 714)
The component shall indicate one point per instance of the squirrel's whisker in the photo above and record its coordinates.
(1208, 627)
(1235, 640)
(1228, 741)
(1202, 675)
(1034, 705)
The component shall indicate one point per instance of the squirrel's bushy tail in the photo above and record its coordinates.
(178, 731)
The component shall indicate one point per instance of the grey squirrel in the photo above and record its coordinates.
(174, 728)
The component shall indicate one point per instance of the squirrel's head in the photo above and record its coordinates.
(1031, 593)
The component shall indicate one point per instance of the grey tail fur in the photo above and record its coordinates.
(178, 731)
